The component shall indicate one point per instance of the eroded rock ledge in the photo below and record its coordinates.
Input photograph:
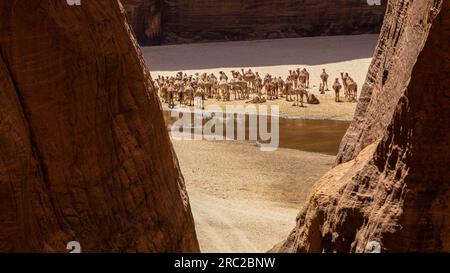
(392, 185)
(84, 152)
(186, 21)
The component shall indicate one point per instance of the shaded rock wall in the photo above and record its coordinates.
(394, 185)
(84, 152)
(185, 21)
(145, 16)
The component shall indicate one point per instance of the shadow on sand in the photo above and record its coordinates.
(306, 51)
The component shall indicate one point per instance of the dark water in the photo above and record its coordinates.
(319, 136)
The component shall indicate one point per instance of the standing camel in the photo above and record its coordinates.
(344, 82)
(288, 89)
(324, 78)
(352, 87)
(337, 88)
(223, 86)
(300, 92)
(306, 74)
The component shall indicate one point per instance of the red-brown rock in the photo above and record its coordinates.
(84, 152)
(394, 185)
(181, 21)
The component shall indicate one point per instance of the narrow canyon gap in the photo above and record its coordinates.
(84, 152)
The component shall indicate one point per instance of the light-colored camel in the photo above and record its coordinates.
(288, 89)
(324, 78)
(300, 92)
(352, 87)
(293, 77)
(302, 77)
(306, 74)
(249, 77)
(344, 83)
(223, 86)
(337, 88)
(171, 92)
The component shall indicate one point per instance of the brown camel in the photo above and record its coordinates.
(324, 78)
(337, 88)
(344, 82)
(352, 87)
(300, 92)
(306, 73)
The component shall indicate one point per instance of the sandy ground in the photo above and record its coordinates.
(336, 54)
(245, 200)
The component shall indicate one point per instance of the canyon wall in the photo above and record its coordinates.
(145, 16)
(84, 152)
(185, 21)
(390, 190)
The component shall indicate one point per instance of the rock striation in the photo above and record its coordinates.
(145, 16)
(390, 190)
(185, 21)
(84, 152)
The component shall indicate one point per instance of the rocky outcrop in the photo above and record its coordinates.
(145, 16)
(186, 21)
(84, 152)
(391, 190)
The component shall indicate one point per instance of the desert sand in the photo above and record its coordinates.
(336, 54)
(245, 200)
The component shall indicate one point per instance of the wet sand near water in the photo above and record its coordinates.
(245, 200)
(319, 136)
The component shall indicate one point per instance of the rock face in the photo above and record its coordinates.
(84, 152)
(216, 20)
(391, 189)
(146, 17)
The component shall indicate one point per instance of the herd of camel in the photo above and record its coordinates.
(243, 85)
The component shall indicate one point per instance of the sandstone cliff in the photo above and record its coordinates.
(146, 18)
(393, 188)
(179, 21)
(84, 152)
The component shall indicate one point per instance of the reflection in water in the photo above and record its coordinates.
(319, 136)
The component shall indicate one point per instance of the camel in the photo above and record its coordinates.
(249, 77)
(280, 84)
(312, 99)
(223, 86)
(288, 89)
(239, 87)
(185, 88)
(188, 94)
(300, 92)
(258, 84)
(200, 93)
(171, 96)
(344, 82)
(321, 91)
(337, 88)
(324, 78)
(270, 87)
(302, 77)
(214, 85)
(293, 76)
(207, 85)
(163, 93)
(352, 87)
(306, 75)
